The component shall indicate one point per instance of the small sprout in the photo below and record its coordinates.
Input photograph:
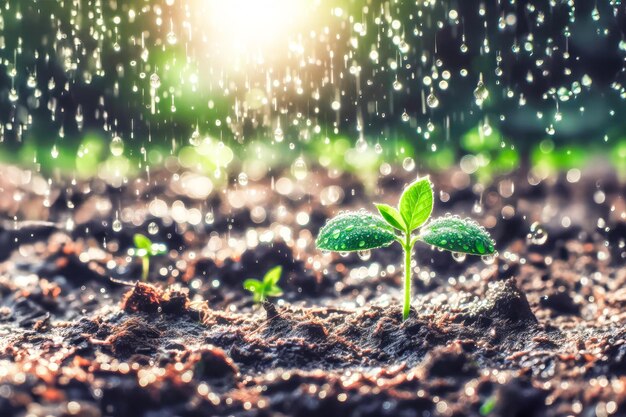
(144, 249)
(357, 231)
(266, 288)
(488, 406)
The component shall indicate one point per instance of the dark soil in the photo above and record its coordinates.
(539, 332)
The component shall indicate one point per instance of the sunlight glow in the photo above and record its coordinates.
(251, 29)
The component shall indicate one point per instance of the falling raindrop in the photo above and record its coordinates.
(153, 228)
(432, 101)
(117, 225)
(480, 92)
(279, 135)
(299, 169)
(117, 146)
(155, 81)
(361, 145)
(408, 164)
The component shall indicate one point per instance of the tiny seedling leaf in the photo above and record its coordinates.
(391, 216)
(354, 231)
(458, 235)
(274, 291)
(253, 285)
(416, 203)
(272, 276)
(142, 242)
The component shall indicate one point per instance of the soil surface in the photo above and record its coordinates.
(539, 331)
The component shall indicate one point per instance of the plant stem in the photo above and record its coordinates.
(146, 268)
(408, 248)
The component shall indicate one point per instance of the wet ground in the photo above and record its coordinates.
(540, 331)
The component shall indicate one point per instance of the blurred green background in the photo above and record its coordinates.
(110, 88)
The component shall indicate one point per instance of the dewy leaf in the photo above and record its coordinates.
(392, 216)
(272, 276)
(416, 203)
(458, 235)
(253, 285)
(354, 231)
(142, 242)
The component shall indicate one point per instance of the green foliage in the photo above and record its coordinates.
(354, 231)
(391, 216)
(416, 203)
(458, 235)
(488, 406)
(266, 288)
(361, 230)
(144, 249)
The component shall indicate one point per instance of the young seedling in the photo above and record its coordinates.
(144, 249)
(266, 288)
(360, 230)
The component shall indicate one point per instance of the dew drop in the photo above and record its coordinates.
(365, 255)
(537, 235)
(458, 256)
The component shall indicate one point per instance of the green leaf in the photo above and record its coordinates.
(142, 242)
(273, 276)
(253, 285)
(354, 231)
(391, 216)
(458, 235)
(416, 203)
(274, 291)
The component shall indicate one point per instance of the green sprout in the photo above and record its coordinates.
(488, 406)
(361, 231)
(144, 249)
(266, 288)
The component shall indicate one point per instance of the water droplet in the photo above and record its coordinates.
(489, 259)
(458, 256)
(365, 255)
(153, 228)
(361, 145)
(117, 146)
(194, 140)
(537, 235)
(117, 225)
(209, 218)
(432, 101)
(155, 81)
(242, 179)
(54, 152)
(408, 164)
(171, 38)
(481, 93)
(279, 134)
(299, 169)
